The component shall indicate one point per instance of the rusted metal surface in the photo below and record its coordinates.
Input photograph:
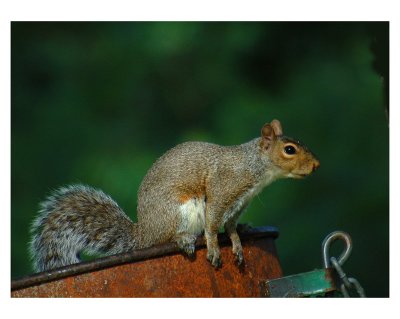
(163, 271)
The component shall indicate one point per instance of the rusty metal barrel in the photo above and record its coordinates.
(163, 271)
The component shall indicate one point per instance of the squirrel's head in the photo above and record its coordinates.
(291, 156)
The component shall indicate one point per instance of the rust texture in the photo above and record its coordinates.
(163, 272)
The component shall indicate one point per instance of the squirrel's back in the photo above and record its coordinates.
(78, 218)
(190, 164)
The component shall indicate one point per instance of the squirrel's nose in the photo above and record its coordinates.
(315, 165)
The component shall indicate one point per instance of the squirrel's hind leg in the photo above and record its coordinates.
(191, 225)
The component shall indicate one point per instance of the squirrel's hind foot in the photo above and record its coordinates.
(187, 244)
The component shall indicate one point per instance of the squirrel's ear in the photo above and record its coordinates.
(268, 135)
(276, 125)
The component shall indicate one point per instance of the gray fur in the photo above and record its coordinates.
(193, 188)
(74, 219)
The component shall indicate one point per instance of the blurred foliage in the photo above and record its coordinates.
(97, 103)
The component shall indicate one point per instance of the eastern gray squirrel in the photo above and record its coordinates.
(193, 188)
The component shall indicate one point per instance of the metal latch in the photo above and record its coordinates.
(319, 282)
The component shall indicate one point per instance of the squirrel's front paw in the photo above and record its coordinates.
(237, 249)
(239, 257)
(214, 258)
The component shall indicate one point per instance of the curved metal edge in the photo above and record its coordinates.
(329, 240)
(245, 232)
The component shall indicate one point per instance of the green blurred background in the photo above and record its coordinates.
(97, 103)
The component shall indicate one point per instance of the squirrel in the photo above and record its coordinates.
(194, 188)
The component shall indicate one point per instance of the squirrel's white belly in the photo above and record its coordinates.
(193, 214)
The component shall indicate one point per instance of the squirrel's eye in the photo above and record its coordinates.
(290, 150)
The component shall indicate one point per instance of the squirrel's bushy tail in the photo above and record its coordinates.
(79, 218)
